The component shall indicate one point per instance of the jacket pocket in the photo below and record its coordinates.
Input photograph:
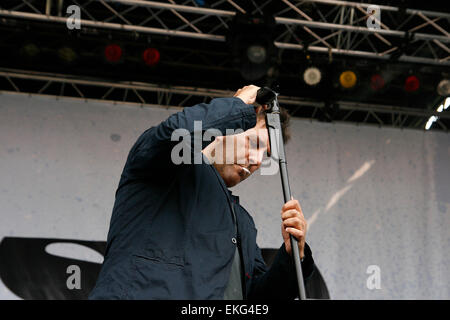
(170, 263)
(157, 279)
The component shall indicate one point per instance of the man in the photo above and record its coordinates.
(177, 232)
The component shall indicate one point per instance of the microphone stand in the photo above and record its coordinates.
(266, 96)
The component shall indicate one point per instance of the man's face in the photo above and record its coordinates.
(237, 156)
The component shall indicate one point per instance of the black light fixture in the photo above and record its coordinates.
(251, 43)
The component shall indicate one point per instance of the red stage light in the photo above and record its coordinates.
(377, 82)
(412, 84)
(113, 53)
(151, 56)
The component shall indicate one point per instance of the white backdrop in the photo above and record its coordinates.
(372, 196)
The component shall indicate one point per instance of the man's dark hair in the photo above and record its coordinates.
(285, 122)
(285, 119)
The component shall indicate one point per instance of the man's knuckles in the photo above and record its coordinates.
(290, 213)
(291, 204)
(296, 222)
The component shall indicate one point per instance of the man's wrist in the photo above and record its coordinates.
(240, 98)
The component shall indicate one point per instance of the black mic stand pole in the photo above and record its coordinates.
(269, 97)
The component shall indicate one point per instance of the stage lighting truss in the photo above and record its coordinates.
(333, 27)
(146, 94)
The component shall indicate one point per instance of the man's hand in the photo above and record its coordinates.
(293, 223)
(247, 94)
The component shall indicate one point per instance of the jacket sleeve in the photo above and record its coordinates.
(280, 280)
(154, 146)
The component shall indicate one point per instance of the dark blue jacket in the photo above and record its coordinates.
(172, 228)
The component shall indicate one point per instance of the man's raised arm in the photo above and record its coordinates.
(154, 145)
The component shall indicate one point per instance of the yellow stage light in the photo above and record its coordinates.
(347, 79)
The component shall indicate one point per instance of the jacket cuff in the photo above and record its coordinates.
(248, 112)
(307, 264)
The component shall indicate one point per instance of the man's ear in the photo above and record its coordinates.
(259, 109)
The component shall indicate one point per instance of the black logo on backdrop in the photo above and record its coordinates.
(31, 273)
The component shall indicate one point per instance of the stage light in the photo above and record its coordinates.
(446, 103)
(67, 54)
(30, 50)
(312, 76)
(151, 56)
(347, 79)
(443, 88)
(113, 53)
(377, 82)
(412, 84)
(251, 43)
(256, 54)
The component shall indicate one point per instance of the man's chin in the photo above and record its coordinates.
(233, 179)
(236, 174)
(232, 182)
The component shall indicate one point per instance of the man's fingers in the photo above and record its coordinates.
(292, 204)
(251, 87)
(295, 223)
(290, 214)
(298, 234)
(247, 93)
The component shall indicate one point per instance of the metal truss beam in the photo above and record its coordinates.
(112, 26)
(181, 96)
(333, 26)
(438, 52)
(382, 7)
